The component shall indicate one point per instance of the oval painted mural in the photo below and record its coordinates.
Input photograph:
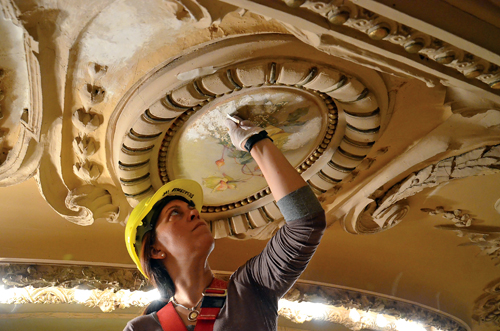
(202, 150)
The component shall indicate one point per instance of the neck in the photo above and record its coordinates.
(190, 280)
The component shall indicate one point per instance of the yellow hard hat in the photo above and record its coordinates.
(140, 220)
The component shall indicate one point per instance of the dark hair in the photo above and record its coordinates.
(154, 268)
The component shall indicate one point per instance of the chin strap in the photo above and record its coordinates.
(214, 298)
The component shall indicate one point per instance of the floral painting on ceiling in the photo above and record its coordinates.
(204, 151)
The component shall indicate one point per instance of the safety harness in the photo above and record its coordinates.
(214, 298)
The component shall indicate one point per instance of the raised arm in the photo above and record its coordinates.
(280, 175)
(287, 254)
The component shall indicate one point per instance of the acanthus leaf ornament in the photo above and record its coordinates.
(85, 146)
(86, 120)
(366, 212)
(487, 306)
(87, 171)
(93, 203)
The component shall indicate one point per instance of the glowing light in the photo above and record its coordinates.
(7, 294)
(82, 295)
(404, 325)
(303, 311)
(298, 312)
(354, 315)
(313, 309)
(381, 321)
(151, 295)
(2, 294)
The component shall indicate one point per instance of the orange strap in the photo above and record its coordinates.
(214, 298)
(169, 319)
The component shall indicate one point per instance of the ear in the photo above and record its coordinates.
(157, 254)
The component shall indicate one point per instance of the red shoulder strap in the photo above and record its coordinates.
(169, 319)
(214, 298)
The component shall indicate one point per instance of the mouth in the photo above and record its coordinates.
(201, 223)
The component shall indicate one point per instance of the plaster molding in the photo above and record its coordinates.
(71, 276)
(68, 315)
(354, 104)
(342, 28)
(89, 199)
(20, 100)
(113, 288)
(487, 307)
(92, 203)
(86, 120)
(460, 218)
(343, 300)
(78, 105)
(376, 200)
(89, 81)
(486, 238)
(378, 27)
(386, 208)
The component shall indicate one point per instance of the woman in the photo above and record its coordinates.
(170, 244)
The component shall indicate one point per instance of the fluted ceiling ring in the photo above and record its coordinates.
(289, 93)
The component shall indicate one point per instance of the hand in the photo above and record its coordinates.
(240, 133)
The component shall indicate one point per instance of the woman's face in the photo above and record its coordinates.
(182, 233)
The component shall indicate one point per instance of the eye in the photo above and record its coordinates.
(174, 213)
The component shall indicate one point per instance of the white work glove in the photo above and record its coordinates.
(240, 133)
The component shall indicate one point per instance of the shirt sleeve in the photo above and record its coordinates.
(287, 254)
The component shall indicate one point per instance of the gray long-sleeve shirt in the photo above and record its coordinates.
(255, 288)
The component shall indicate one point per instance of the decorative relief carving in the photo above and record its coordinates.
(20, 100)
(487, 307)
(92, 202)
(240, 77)
(86, 120)
(4, 148)
(111, 288)
(481, 161)
(108, 288)
(340, 12)
(343, 301)
(92, 277)
(333, 90)
(484, 237)
(93, 93)
(2, 96)
(96, 93)
(87, 171)
(85, 146)
(457, 216)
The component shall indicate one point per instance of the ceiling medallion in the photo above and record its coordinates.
(197, 145)
(323, 119)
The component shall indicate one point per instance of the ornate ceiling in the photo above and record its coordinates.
(389, 113)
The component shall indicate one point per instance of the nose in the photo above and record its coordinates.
(194, 214)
